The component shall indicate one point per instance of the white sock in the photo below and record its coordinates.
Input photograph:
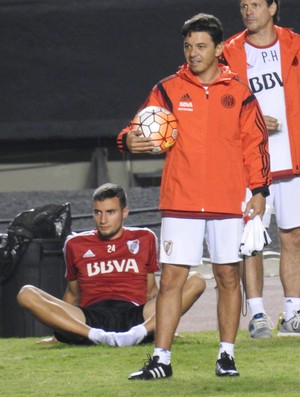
(256, 306)
(226, 347)
(97, 336)
(132, 337)
(291, 305)
(129, 338)
(164, 355)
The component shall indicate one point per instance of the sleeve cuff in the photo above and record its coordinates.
(263, 190)
(124, 144)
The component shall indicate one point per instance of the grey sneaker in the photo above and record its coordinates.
(260, 326)
(290, 327)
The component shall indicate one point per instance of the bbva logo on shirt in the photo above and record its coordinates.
(125, 265)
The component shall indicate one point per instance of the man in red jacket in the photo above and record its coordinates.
(268, 57)
(221, 149)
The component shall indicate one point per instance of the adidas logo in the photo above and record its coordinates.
(185, 97)
(185, 103)
(88, 254)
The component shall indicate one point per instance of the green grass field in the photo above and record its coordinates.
(267, 368)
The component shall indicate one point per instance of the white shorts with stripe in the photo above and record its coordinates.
(181, 240)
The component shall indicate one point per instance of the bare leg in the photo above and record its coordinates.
(290, 261)
(253, 276)
(169, 304)
(229, 300)
(192, 290)
(53, 312)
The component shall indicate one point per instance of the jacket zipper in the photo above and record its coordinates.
(206, 92)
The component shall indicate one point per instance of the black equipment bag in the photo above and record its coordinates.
(31, 252)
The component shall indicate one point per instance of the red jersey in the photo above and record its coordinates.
(112, 269)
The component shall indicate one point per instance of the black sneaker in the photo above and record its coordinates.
(225, 366)
(152, 370)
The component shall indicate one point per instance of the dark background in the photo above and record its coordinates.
(77, 70)
(72, 73)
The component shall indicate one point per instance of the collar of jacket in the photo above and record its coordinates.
(225, 76)
(289, 47)
(285, 35)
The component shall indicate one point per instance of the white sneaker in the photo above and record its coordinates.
(290, 327)
(260, 326)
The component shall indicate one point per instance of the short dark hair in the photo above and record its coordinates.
(110, 190)
(276, 15)
(204, 23)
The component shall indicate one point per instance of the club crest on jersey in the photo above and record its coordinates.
(133, 246)
(228, 101)
(168, 245)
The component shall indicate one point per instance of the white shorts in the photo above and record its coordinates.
(181, 240)
(284, 202)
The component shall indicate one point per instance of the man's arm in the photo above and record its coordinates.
(255, 146)
(272, 124)
(255, 206)
(72, 293)
(151, 286)
(130, 140)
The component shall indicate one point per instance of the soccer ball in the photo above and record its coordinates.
(159, 124)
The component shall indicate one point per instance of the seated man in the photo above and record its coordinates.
(111, 286)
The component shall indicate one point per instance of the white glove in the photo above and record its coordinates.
(254, 238)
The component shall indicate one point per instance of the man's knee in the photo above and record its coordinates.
(173, 277)
(26, 295)
(196, 283)
(290, 238)
(227, 276)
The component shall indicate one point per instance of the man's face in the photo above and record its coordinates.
(108, 217)
(257, 14)
(201, 53)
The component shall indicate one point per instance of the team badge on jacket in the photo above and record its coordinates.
(168, 245)
(133, 246)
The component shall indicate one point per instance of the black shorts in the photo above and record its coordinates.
(110, 315)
